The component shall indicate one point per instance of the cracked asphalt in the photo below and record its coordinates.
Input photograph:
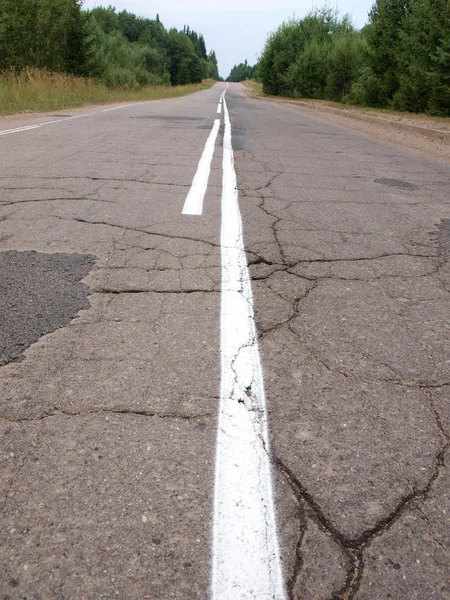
(109, 394)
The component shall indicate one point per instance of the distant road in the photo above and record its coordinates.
(226, 329)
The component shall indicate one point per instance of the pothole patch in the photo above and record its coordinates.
(444, 238)
(397, 183)
(166, 118)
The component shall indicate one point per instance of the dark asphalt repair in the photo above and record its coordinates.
(39, 293)
(167, 118)
(444, 238)
(397, 183)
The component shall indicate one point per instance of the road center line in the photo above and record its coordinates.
(194, 201)
(219, 108)
(246, 558)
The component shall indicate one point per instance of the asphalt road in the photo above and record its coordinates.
(130, 332)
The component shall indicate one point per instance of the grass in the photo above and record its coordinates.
(36, 90)
(444, 122)
(254, 86)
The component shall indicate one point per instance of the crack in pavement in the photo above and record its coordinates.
(113, 292)
(138, 230)
(355, 547)
(84, 199)
(113, 411)
(258, 259)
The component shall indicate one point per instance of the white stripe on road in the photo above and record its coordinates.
(38, 125)
(8, 131)
(194, 201)
(246, 558)
(84, 115)
(219, 108)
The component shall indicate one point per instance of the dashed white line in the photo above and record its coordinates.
(219, 108)
(194, 201)
(246, 558)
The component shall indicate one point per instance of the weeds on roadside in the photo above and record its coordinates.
(39, 90)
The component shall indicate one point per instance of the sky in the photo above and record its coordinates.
(235, 29)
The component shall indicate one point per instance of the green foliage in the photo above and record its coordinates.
(37, 89)
(345, 61)
(423, 58)
(47, 34)
(212, 67)
(315, 57)
(386, 22)
(121, 48)
(401, 59)
(242, 71)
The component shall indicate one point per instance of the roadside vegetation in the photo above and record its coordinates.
(39, 90)
(54, 54)
(400, 60)
(242, 72)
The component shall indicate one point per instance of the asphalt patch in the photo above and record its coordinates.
(166, 118)
(397, 183)
(444, 238)
(240, 141)
(39, 293)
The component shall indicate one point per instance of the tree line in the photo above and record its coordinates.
(242, 71)
(399, 60)
(119, 48)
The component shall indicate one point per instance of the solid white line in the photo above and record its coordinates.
(194, 201)
(246, 558)
(84, 115)
(17, 129)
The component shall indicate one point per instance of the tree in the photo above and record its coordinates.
(48, 34)
(213, 71)
(311, 57)
(120, 48)
(386, 22)
(345, 59)
(241, 72)
(423, 58)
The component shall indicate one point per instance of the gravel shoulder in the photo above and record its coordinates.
(422, 135)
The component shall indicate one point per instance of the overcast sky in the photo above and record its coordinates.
(235, 29)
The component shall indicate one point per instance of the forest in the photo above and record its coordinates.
(117, 48)
(399, 60)
(242, 71)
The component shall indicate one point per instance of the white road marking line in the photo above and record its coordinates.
(84, 115)
(17, 129)
(194, 201)
(219, 108)
(246, 557)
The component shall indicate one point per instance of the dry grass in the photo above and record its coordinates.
(254, 86)
(35, 90)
